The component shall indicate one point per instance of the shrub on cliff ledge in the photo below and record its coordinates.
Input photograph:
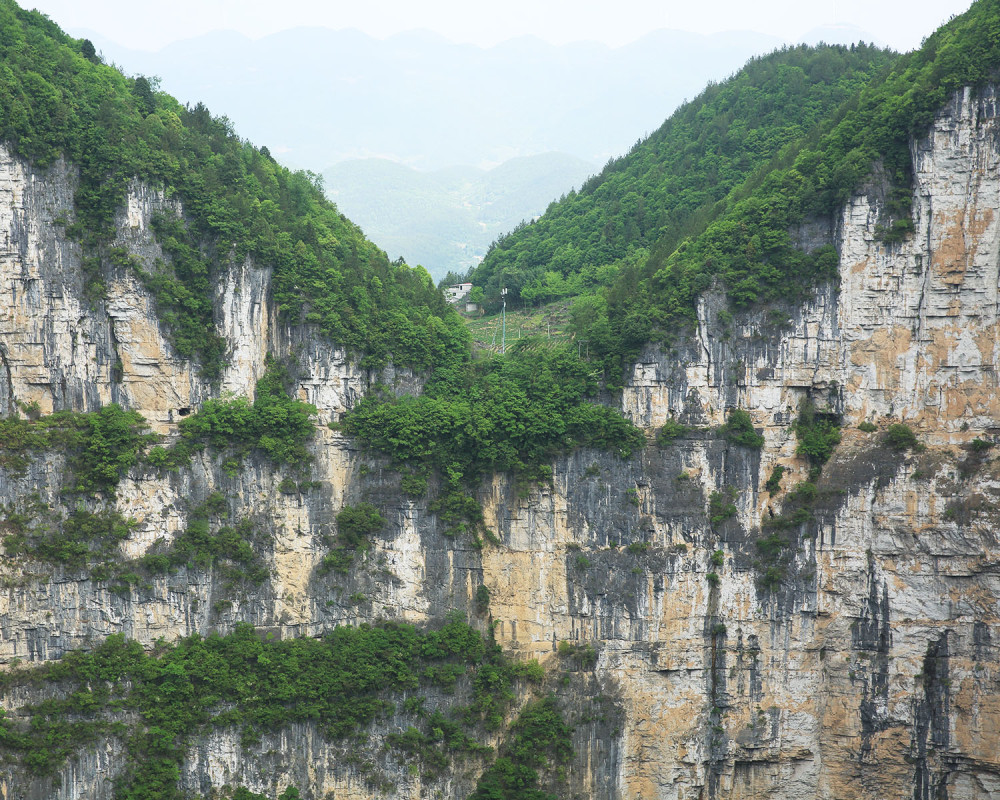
(100, 446)
(670, 431)
(511, 414)
(275, 424)
(739, 430)
(818, 434)
(900, 437)
(339, 683)
(355, 523)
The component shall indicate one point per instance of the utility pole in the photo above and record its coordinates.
(503, 322)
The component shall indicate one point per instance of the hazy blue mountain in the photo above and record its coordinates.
(317, 96)
(428, 102)
(445, 219)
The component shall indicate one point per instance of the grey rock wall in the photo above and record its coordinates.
(869, 669)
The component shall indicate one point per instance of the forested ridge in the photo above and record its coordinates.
(58, 100)
(668, 184)
(712, 198)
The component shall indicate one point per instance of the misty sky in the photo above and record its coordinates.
(154, 23)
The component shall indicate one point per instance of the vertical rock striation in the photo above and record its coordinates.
(869, 667)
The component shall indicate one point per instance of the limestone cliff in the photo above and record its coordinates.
(869, 669)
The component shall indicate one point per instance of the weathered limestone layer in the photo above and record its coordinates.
(870, 668)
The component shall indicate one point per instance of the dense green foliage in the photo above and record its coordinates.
(671, 430)
(739, 429)
(275, 424)
(183, 293)
(749, 247)
(668, 185)
(610, 244)
(714, 198)
(900, 437)
(504, 415)
(818, 434)
(341, 682)
(100, 446)
(207, 544)
(354, 525)
(83, 537)
(773, 484)
(721, 506)
(57, 99)
(541, 738)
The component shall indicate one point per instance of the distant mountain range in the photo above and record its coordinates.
(445, 219)
(423, 101)
(431, 103)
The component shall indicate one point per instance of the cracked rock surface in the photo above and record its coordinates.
(869, 668)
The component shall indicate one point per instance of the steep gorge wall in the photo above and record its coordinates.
(872, 670)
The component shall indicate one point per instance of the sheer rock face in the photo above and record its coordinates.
(867, 667)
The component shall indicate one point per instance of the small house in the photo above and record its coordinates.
(458, 292)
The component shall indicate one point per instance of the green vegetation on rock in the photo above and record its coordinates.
(739, 429)
(90, 540)
(84, 537)
(671, 430)
(58, 100)
(721, 505)
(275, 424)
(773, 485)
(341, 682)
(541, 739)
(900, 437)
(100, 446)
(354, 525)
(206, 544)
(509, 414)
(818, 434)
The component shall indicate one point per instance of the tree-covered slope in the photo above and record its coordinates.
(744, 241)
(668, 185)
(58, 100)
(748, 247)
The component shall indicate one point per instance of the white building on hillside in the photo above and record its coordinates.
(456, 293)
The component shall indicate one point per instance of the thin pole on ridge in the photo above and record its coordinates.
(503, 322)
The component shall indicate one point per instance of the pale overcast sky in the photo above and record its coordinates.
(151, 24)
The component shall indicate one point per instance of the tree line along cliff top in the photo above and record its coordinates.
(57, 100)
(710, 198)
(713, 196)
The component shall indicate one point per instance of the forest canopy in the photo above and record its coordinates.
(714, 198)
(58, 100)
